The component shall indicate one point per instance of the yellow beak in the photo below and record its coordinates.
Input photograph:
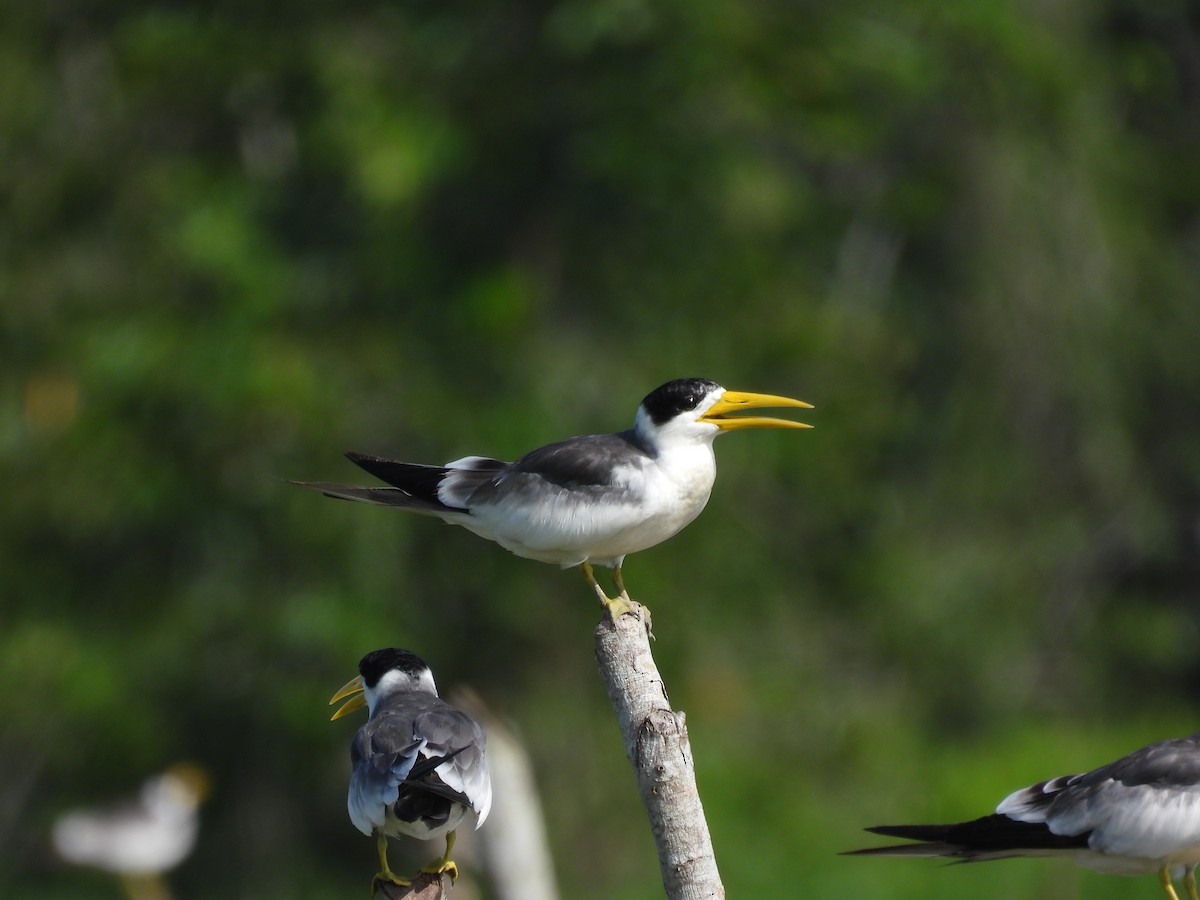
(352, 689)
(196, 779)
(738, 401)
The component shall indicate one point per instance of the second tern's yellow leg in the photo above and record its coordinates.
(386, 875)
(444, 863)
(1164, 878)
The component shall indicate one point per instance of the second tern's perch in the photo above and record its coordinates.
(587, 500)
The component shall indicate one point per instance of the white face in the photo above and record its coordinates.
(397, 681)
(704, 406)
(181, 792)
(684, 426)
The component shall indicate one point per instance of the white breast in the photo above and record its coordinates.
(649, 502)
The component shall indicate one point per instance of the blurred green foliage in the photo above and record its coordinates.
(238, 239)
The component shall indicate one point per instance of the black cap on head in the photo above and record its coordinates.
(378, 663)
(664, 403)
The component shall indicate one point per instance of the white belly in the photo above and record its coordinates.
(394, 827)
(600, 525)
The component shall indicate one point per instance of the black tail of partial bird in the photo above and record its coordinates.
(989, 837)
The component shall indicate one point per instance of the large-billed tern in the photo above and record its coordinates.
(587, 500)
(417, 767)
(1136, 816)
(141, 839)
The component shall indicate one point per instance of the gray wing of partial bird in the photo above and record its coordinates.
(421, 743)
(1134, 806)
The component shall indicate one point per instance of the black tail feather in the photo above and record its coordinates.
(421, 482)
(424, 766)
(985, 835)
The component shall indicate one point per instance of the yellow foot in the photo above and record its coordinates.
(619, 606)
(387, 877)
(442, 866)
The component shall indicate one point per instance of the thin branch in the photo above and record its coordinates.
(656, 742)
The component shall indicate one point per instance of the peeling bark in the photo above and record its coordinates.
(656, 742)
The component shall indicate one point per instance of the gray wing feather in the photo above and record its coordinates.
(1031, 804)
(397, 743)
(375, 778)
(447, 730)
(579, 467)
(587, 460)
(1136, 805)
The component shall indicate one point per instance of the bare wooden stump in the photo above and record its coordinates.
(656, 742)
(424, 887)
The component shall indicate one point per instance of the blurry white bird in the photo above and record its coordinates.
(1135, 816)
(588, 500)
(143, 838)
(417, 767)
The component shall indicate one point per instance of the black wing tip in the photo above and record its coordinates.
(323, 486)
(359, 458)
(929, 842)
(987, 837)
(886, 830)
(311, 485)
(890, 850)
(912, 832)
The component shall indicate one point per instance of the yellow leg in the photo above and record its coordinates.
(145, 887)
(1164, 878)
(1189, 882)
(620, 583)
(386, 875)
(444, 863)
(624, 597)
(591, 579)
(616, 606)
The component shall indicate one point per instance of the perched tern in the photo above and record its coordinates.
(141, 839)
(417, 767)
(588, 500)
(1136, 816)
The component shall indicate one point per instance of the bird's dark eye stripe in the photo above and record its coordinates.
(677, 396)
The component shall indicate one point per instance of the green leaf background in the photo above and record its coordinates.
(237, 240)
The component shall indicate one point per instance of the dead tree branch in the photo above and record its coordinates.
(424, 887)
(656, 742)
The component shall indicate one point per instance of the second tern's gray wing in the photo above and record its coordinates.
(453, 735)
(376, 774)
